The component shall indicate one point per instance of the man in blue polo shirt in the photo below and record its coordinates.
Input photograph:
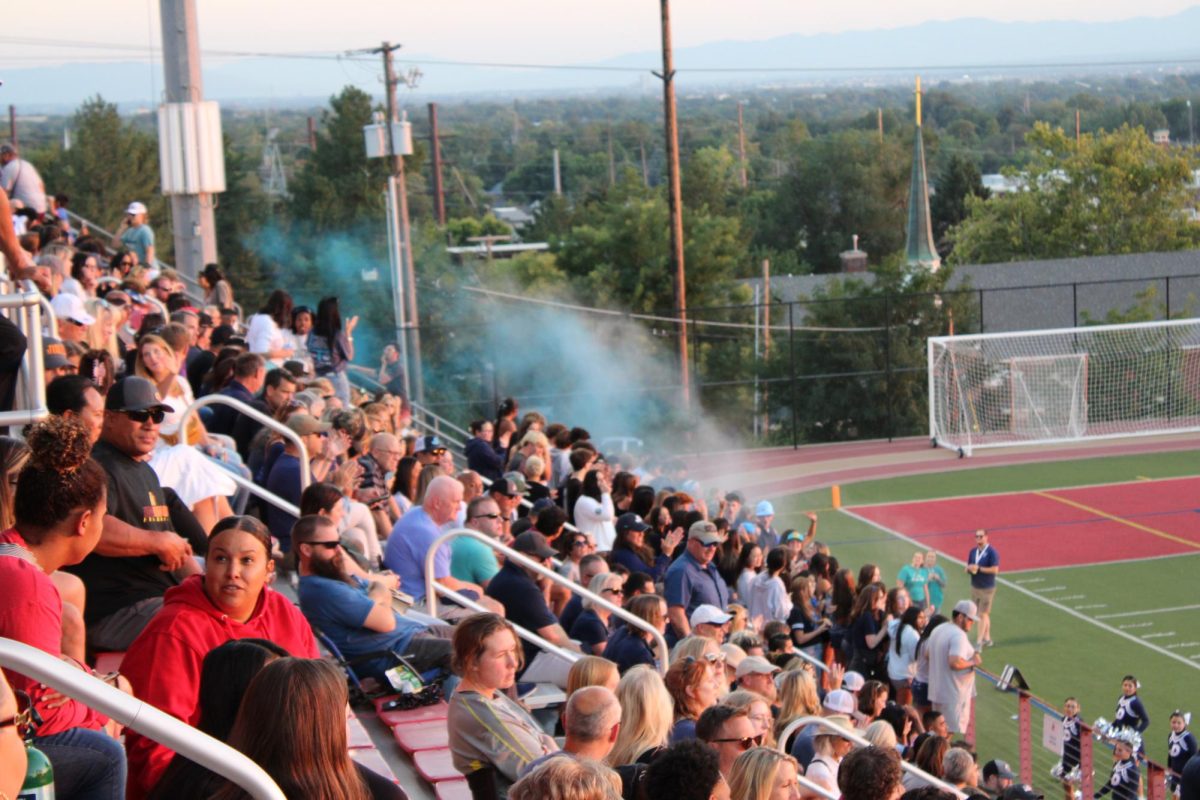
(693, 579)
(983, 564)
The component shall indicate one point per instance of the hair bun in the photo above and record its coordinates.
(58, 444)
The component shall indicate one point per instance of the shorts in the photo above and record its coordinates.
(920, 693)
(957, 714)
(982, 598)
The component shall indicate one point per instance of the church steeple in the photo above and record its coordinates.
(919, 247)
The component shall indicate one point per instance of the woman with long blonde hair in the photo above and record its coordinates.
(763, 773)
(758, 710)
(102, 334)
(646, 712)
(797, 698)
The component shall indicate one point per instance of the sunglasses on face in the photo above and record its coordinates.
(617, 592)
(438, 452)
(331, 545)
(156, 416)
(486, 516)
(745, 743)
(709, 545)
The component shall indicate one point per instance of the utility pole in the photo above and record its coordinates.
(742, 146)
(645, 166)
(766, 341)
(612, 163)
(12, 127)
(1077, 127)
(312, 135)
(412, 321)
(435, 148)
(195, 226)
(879, 122)
(557, 174)
(675, 203)
(1191, 127)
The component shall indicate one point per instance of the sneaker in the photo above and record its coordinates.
(988, 643)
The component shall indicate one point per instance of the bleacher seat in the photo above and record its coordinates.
(456, 789)
(357, 735)
(416, 736)
(432, 713)
(435, 765)
(373, 760)
(109, 662)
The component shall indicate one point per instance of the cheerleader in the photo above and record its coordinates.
(1181, 746)
(1125, 779)
(1067, 769)
(1130, 711)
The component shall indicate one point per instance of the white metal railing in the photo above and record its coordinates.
(259, 417)
(817, 789)
(142, 717)
(257, 490)
(26, 307)
(512, 555)
(831, 727)
(567, 655)
(440, 420)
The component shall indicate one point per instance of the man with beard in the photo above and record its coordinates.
(356, 613)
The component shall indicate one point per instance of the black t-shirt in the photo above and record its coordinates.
(524, 603)
(134, 497)
(589, 630)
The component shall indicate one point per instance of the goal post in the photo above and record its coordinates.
(1064, 385)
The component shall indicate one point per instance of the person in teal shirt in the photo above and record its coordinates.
(470, 559)
(935, 580)
(913, 577)
(134, 234)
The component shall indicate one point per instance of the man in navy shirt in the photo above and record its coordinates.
(249, 375)
(693, 579)
(520, 591)
(355, 613)
(284, 477)
(983, 564)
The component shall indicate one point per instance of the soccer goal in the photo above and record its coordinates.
(1043, 387)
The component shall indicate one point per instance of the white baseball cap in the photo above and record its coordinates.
(70, 306)
(706, 614)
(840, 701)
(756, 665)
(136, 208)
(967, 609)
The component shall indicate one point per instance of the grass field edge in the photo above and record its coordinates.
(978, 495)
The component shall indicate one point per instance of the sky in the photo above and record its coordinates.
(542, 31)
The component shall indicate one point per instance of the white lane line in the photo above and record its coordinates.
(1136, 625)
(1159, 635)
(1069, 597)
(1048, 589)
(1065, 609)
(1108, 563)
(1031, 580)
(1182, 644)
(1148, 611)
(1093, 605)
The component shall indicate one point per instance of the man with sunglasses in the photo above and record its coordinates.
(73, 318)
(470, 559)
(693, 580)
(140, 554)
(729, 731)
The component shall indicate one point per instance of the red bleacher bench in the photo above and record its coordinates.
(455, 789)
(109, 662)
(373, 760)
(417, 736)
(435, 765)
(432, 713)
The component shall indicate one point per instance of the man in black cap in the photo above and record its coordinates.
(431, 450)
(997, 776)
(507, 495)
(140, 555)
(519, 589)
(54, 359)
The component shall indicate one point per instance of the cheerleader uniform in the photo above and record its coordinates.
(1070, 744)
(1180, 748)
(1132, 714)
(1123, 783)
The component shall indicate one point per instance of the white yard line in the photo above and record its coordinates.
(1065, 609)
(1148, 611)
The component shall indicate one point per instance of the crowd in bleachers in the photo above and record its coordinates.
(128, 528)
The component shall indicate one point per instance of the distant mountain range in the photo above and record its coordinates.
(977, 48)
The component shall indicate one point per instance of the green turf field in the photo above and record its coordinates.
(1058, 652)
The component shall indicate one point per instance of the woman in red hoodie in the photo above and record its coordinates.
(230, 601)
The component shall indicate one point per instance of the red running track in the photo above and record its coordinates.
(1059, 527)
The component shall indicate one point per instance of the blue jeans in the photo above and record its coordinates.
(88, 765)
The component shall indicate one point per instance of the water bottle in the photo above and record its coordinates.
(39, 776)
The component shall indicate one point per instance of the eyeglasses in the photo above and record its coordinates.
(437, 451)
(331, 545)
(709, 545)
(140, 417)
(580, 543)
(711, 658)
(77, 323)
(617, 592)
(486, 516)
(745, 743)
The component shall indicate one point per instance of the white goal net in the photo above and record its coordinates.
(1042, 387)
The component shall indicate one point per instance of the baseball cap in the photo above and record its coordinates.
(117, 297)
(135, 208)
(735, 497)
(54, 354)
(706, 614)
(428, 444)
(518, 480)
(70, 306)
(840, 720)
(630, 522)
(542, 504)
(534, 544)
(764, 509)
(755, 665)
(1020, 792)
(133, 393)
(999, 769)
(967, 609)
(705, 531)
(853, 681)
(506, 487)
(734, 655)
(839, 701)
(305, 424)
(793, 535)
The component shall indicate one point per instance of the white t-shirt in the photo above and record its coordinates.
(946, 685)
(902, 666)
(823, 770)
(263, 335)
(597, 519)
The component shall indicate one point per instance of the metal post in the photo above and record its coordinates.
(1025, 737)
(982, 329)
(396, 260)
(12, 126)
(757, 361)
(195, 227)
(1074, 305)
(742, 147)
(675, 200)
(557, 174)
(1086, 762)
(435, 149)
(1168, 297)
(887, 359)
(792, 362)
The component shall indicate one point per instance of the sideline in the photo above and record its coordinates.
(1122, 520)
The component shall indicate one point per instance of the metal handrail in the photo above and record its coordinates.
(529, 563)
(822, 722)
(439, 419)
(259, 417)
(529, 636)
(816, 788)
(139, 715)
(257, 490)
(28, 307)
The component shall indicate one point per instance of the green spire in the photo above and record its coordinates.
(919, 247)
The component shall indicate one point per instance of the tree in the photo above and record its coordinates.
(958, 180)
(238, 223)
(1114, 193)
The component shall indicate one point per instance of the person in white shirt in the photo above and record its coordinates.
(595, 512)
(952, 662)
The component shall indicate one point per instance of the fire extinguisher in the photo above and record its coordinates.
(39, 776)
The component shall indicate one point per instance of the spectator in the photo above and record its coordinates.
(217, 291)
(762, 773)
(224, 675)
(902, 653)
(59, 515)
(279, 387)
(591, 722)
(471, 560)
(76, 397)
(881, 733)
(55, 362)
(769, 598)
(870, 773)
(728, 731)
(380, 461)
(249, 375)
(868, 632)
(590, 566)
(507, 493)
(85, 269)
(710, 622)
(1189, 781)
(21, 180)
(356, 612)
(983, 564)
(837, 703)
(592, 671)
(331, 347)
(594, 511)
(519, 590)
(591, 626)
(693, 579)
(481, 454)
(404, 485)
(687, 770)
(391, 370)
(629, 645)
(487, 729)
(230, 600)
(572, 548)
(952, 663)
(631, 550)
(694, 688)
(757, 708)
(930, 759)
(829, 748)
(872, 699)
(352, 521)
(959, 770)
(73, 318)
(568, 779)
(750, 561)
(646, 712)
(135, 235)
(141, 552)
(757, 675)
(764, 516)
(264, 332)
(997, 776)
(914, 577)
(284, 477)
(13, 760)
(292, 723)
